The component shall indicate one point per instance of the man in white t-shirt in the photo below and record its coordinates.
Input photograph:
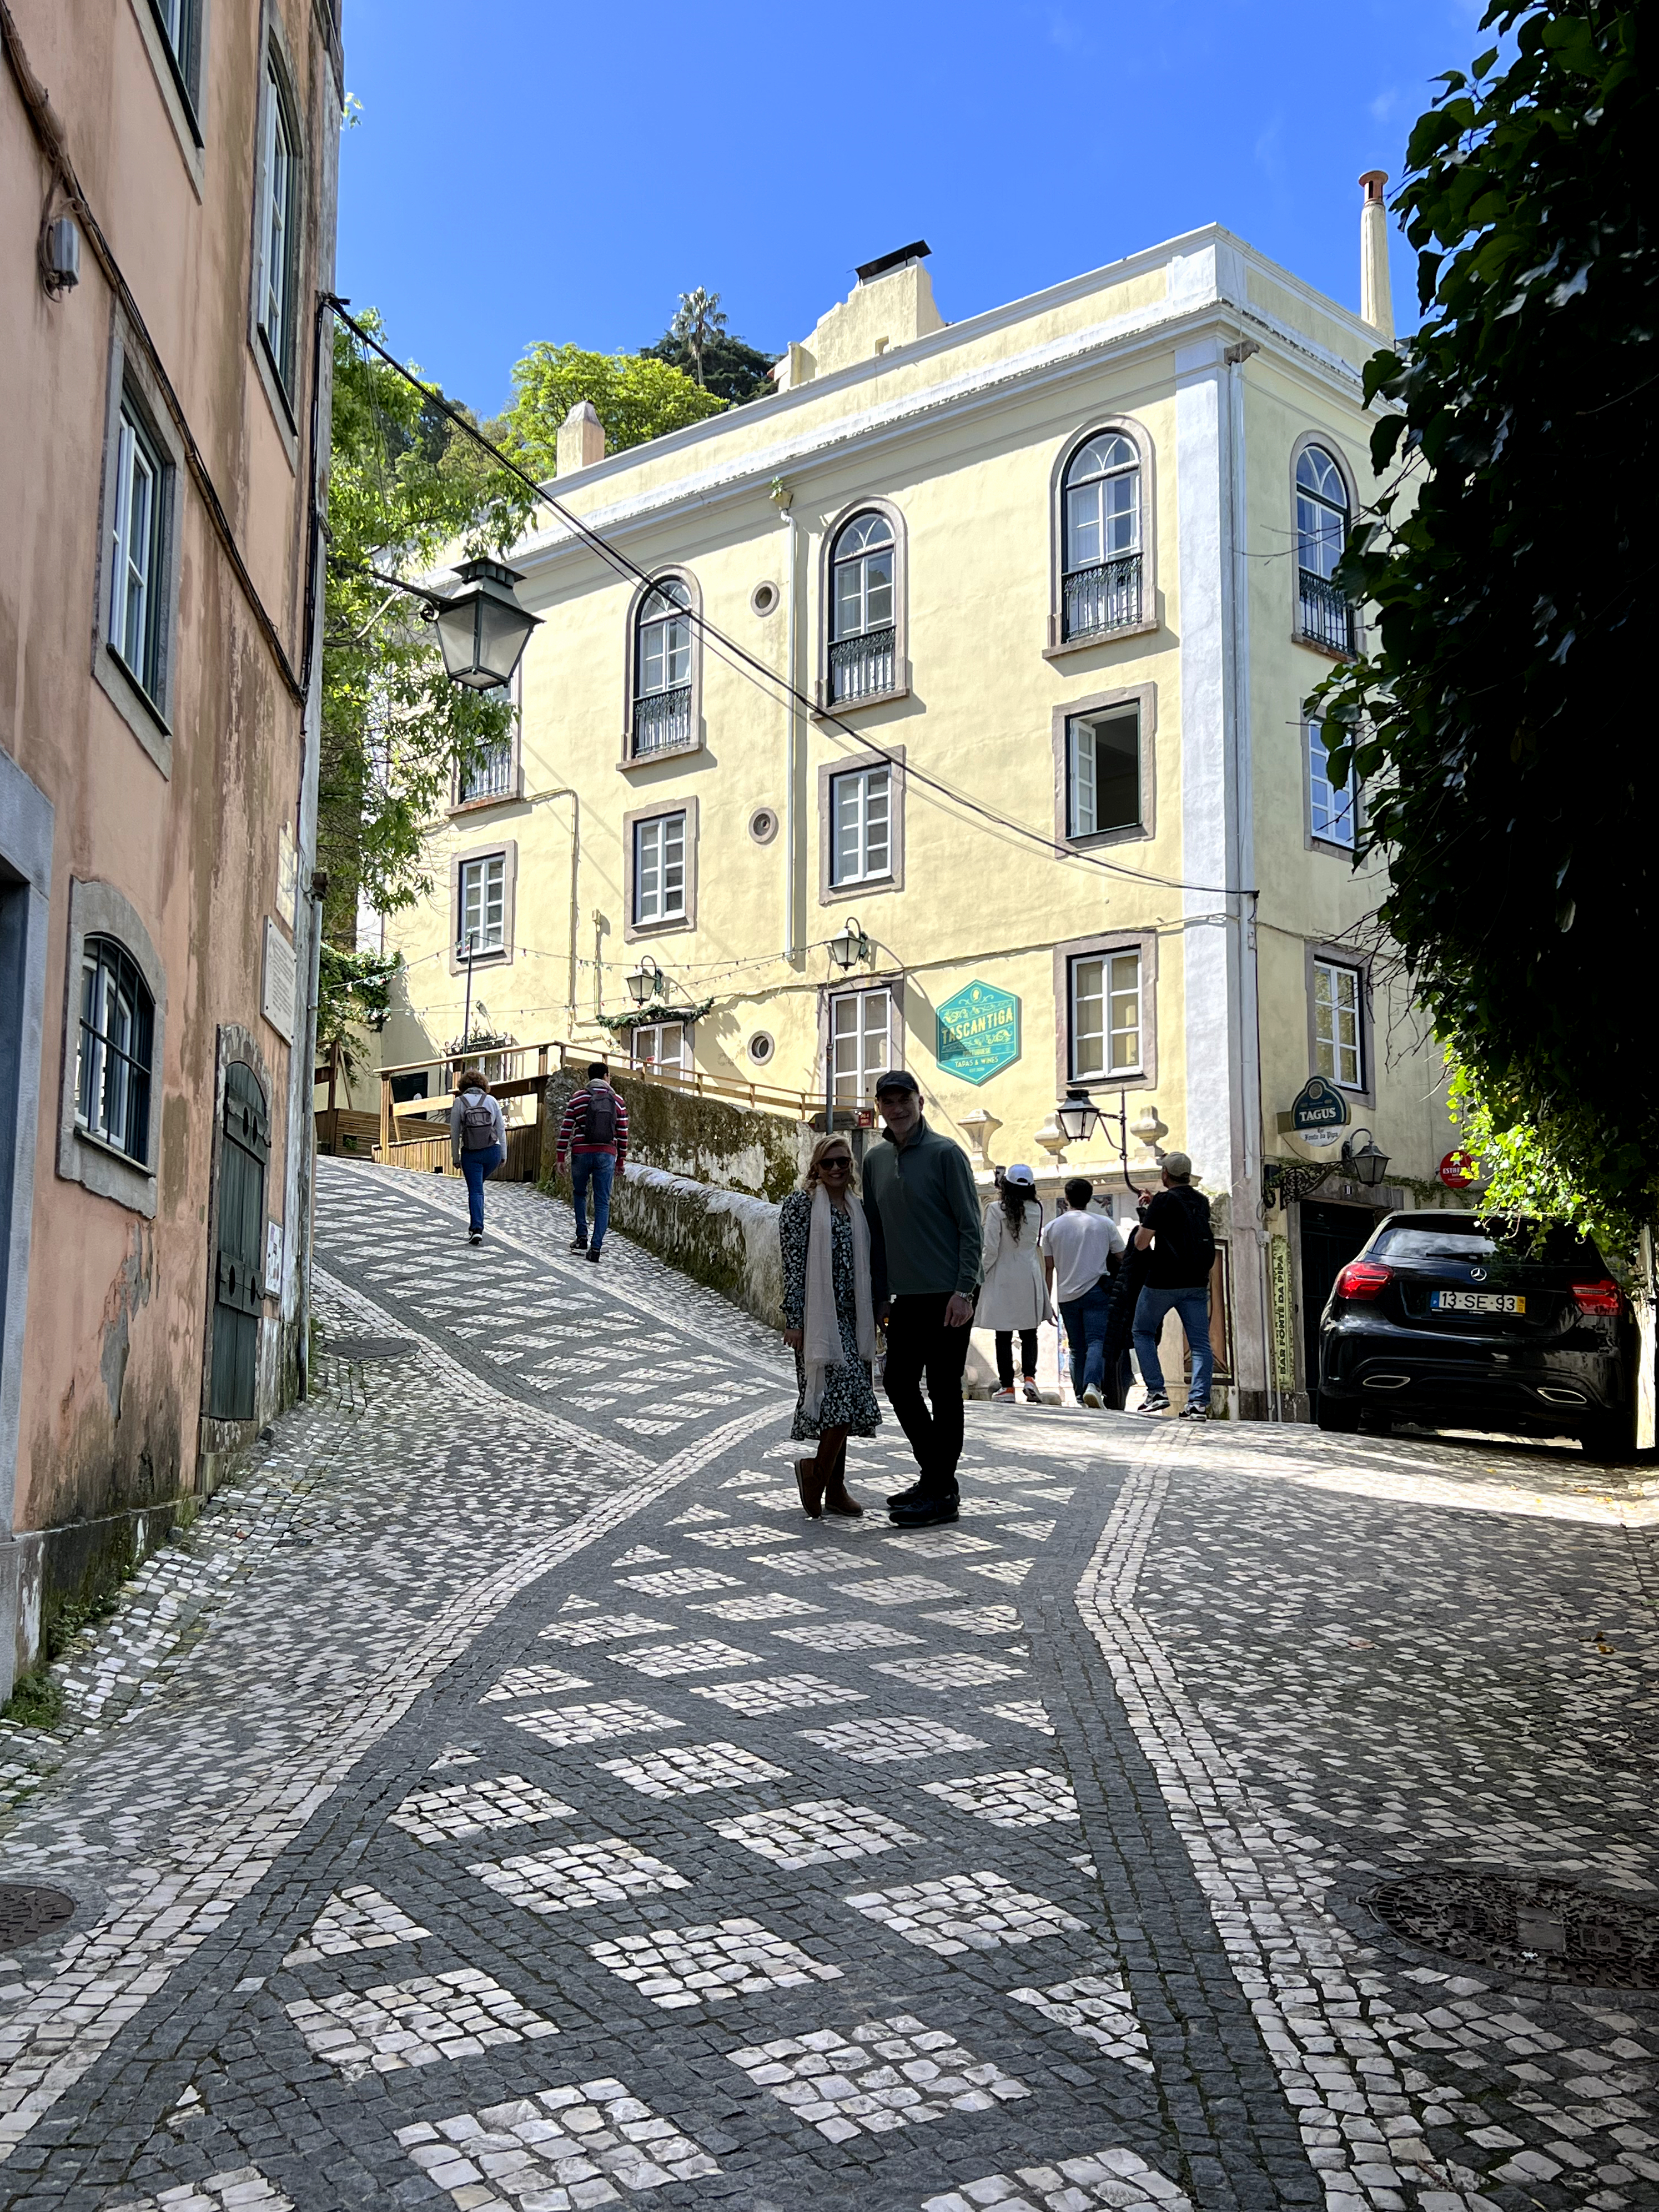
(1078, 1248)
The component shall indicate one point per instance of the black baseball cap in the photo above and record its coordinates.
(897, 1078)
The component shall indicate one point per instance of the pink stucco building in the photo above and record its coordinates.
(167, 220)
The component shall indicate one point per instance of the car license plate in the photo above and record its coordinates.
(1498, 1301)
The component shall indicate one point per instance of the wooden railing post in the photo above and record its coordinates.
(385, 1116)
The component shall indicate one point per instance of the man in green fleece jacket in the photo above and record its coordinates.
(925, 1245)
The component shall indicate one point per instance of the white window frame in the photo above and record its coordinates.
(660, 853)
(1333, 815)
(668, 1052)
(137, 552)
(280, 169)
(852, 806)
(1109, 998)
(476, 874)
(1340, 1060)
(872, 1048)
(1081, 785)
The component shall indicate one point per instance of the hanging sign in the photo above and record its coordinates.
(977, 1033)
(1319, 1113)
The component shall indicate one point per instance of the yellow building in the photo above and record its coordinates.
(991, 638)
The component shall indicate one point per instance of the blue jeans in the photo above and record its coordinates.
(476, 1166)
(1193, 1306)
(1084, 1322)
(599, 1169)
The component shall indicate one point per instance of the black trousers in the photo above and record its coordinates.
(918, 1343)
(1028, 1355)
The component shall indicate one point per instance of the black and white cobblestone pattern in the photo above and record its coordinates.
(455, 1824)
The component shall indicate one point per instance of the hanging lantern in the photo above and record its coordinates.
(481, 628)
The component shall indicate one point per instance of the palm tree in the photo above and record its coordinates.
(697, 320)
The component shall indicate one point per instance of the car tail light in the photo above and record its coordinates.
(1362, 1278)
(1600, 1297)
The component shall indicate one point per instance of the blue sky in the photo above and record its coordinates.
(525, 170)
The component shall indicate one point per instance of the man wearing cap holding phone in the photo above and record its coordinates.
(925, 1245)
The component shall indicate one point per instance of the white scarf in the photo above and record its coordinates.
(823, 1348)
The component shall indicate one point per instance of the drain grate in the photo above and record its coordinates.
(368, 1348)
(1526, 1927)
(27, 1911)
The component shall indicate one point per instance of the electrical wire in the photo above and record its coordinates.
(739, 657)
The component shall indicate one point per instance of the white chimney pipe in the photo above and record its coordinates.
(1375, 296)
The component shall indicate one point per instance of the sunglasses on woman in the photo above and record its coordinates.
(835, 1160)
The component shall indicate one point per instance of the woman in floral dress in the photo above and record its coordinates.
(828, 1323)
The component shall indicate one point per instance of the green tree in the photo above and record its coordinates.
(405, 486)
(698, 321)
(1509, 771)
(635, 395)
(732, 369)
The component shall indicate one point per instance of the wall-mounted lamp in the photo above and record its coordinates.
(647, 982)
(850, 946)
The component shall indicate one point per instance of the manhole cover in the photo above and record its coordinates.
(368, 1348)
(1523, 1926)
(26, 1912)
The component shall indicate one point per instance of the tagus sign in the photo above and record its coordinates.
(977, 1033)
(1319, 1113)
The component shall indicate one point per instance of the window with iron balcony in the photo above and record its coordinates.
(1324, 612)
(864, 631)
(1101, 579)
(662, 717)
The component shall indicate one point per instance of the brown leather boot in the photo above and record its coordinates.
(810, 1483)
(837, 1497)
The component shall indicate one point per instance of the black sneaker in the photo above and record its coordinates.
(579, 1243)
(1195, 1413)
(928, 1512)
(592, 1251)
(475, 1237)
(906, 1497)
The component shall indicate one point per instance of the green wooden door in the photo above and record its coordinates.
(239, 1262)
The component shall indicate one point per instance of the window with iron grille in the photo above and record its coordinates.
(860, 1043)
(279, 213)
(863, 613)
(112, 1075)
(659, 869)
(662, 669)
(1105, 1015)
(137, 545)
(861, 826)
(1103, 773)
(1338, 1041)
(1331, 812)
(1323, 612)
(488, 772)
(481, 923)
(1100, 523)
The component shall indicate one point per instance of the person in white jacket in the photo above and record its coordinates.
(1013, 1296)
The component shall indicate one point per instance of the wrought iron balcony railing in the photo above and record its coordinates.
(489, 774)
(1104, 598)
(662, 721)
(1326, 614)
(861, 667)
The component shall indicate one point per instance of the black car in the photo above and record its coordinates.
(1455, 1321)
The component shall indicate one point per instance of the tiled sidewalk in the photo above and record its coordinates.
(505, 1798)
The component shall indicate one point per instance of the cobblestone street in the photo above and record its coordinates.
(504, 1797)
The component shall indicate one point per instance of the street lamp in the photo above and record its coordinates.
(1077, 1116)
(481, 628)
(647, 982)
(850, 946)
(1368, 1163)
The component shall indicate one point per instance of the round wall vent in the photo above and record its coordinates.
(763, 825)
(760, 1048)
(763, 599)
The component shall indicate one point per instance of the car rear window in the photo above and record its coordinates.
(1524, 1240)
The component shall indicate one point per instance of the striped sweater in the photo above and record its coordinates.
(572, 1129)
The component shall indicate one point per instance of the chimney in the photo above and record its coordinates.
(1375, 299)
(582, 439)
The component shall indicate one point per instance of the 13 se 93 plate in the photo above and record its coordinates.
(1481, 1302)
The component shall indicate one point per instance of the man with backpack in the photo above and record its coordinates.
(1175, 1224)
(478, 1143)
(593, 1135)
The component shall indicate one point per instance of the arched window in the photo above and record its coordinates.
(863, 609)
(118, 1020)
(1100, 587)
(662, 670)
(1323, 516)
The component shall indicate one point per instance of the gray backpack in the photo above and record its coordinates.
(477, 1121)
